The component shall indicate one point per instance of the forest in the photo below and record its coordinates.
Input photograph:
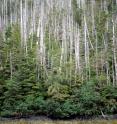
(58, 58)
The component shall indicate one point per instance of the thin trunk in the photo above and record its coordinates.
(11, 65)
(114, 51)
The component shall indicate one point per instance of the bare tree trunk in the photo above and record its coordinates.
(21, 22)
(25, 26)
(114, 51)
(11, 65)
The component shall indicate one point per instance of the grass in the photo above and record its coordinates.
(59, 122)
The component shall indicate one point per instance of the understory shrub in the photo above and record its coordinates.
(89, 99)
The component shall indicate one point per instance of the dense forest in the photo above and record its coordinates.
(58, 58)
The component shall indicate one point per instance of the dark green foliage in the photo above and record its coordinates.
(109, 96)
(54, 95)
(86, 100)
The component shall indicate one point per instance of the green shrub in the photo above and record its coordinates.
(69, 109)
(89, 98)
(109, 97)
